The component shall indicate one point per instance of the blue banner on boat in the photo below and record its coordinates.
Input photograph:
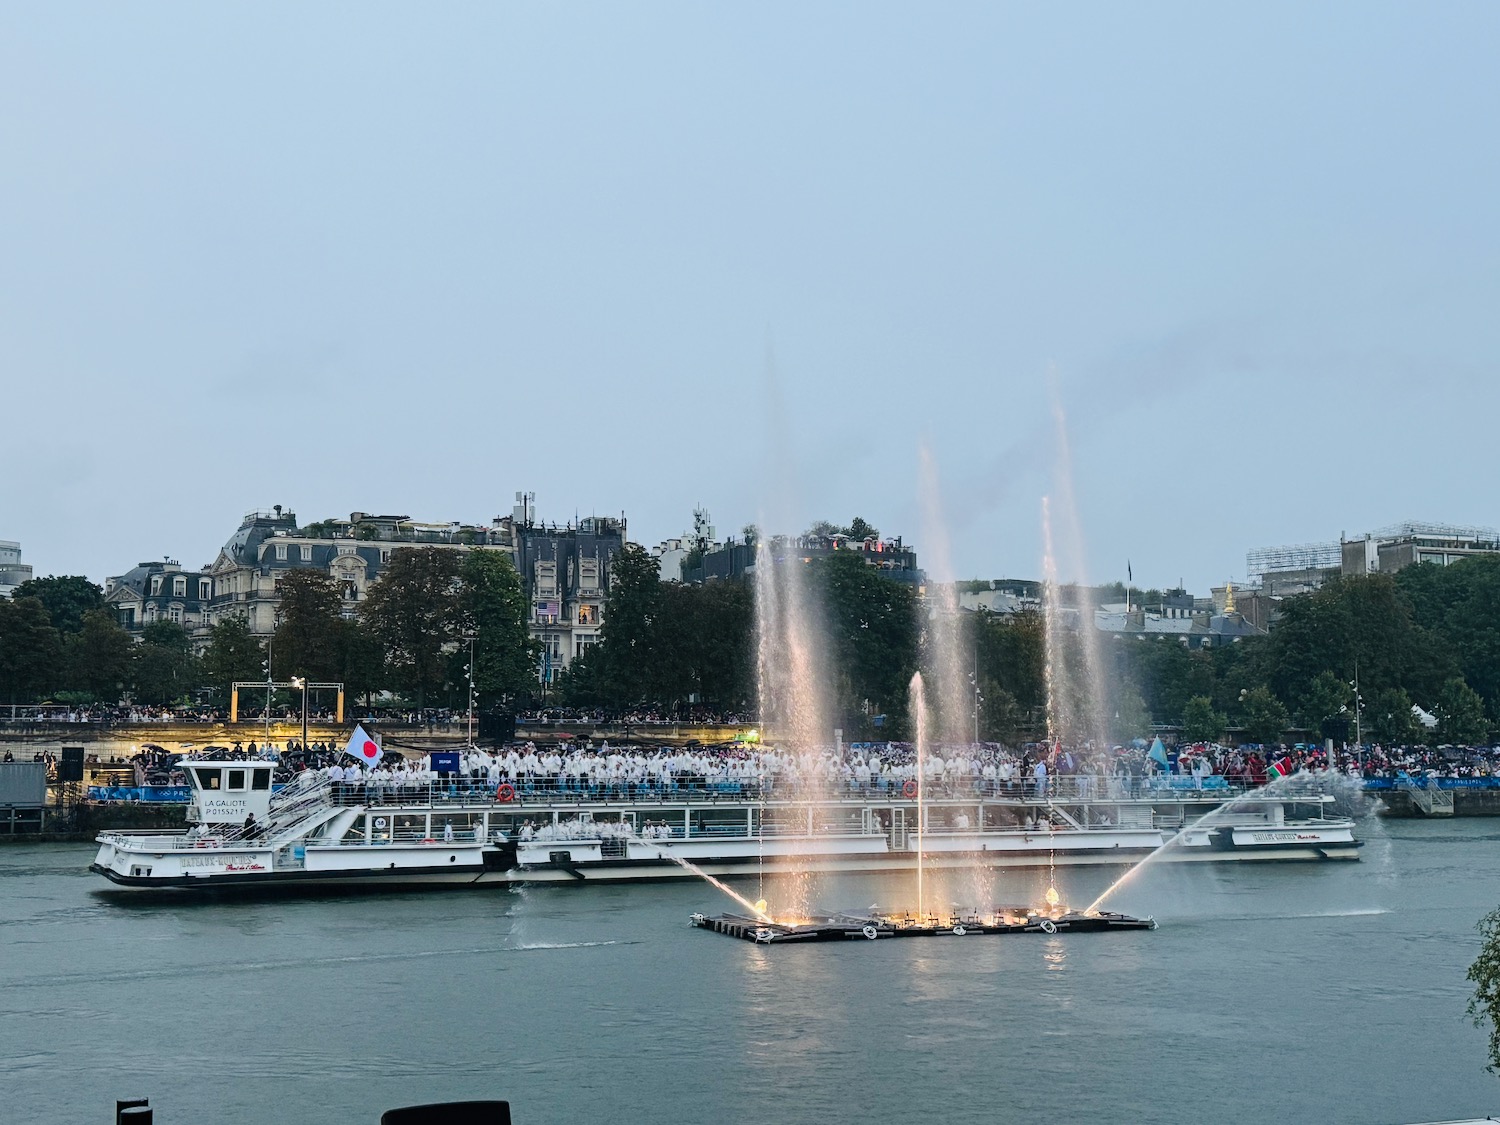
(445, 762)
(160, 794)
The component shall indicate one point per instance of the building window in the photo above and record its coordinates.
(307, 552)
(281, 551)
(385, 554)
(155, 585)
(205, 589)
(588, 615)
(174, 613)
(349, 549)
(179, 587)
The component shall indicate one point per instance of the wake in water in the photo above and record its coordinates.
(527, 946)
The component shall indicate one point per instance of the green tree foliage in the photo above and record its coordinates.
(1460, 605)
(1264, 716)
(1325, 703)
(1012, 654)
(1130, 718)
(163, 668)
(1389, 719)
(414, 612)
(1484, 973)
(622, 670)
(870, 624)
(30, 650)
(683, 642)
(493, 609)
(705, 644)
(98, 657)
(1165, 674)
(310, 628)
(1352, 623)
(1001, 718)
(1201, 722)
(361, 660)
(233, 653)
(859, 529)
(66, 597)
(1460, 715)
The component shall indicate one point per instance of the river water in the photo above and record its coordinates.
(1308, 993)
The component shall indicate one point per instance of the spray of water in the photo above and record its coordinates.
(948, 661)
(919, 715)
(1088, 695)
(790, 677)
(757, 909)
(1054, 669)
(942, 657)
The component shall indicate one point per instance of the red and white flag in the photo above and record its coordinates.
(362, 746)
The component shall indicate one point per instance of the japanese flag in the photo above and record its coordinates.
(362, 746)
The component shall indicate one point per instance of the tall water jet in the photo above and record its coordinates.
(1088, 681)
(942, 626)
(1058, 682)
(918, 697)
(790, 679)
(791, 684)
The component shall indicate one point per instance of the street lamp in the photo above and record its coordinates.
(301, 682)
(469, 671)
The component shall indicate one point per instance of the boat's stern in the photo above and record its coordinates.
(162, 861)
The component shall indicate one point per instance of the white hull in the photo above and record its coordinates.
(312, 835)
(152, 863)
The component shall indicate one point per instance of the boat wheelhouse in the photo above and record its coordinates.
(246, 831)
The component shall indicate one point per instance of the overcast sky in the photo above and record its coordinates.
(412, 258)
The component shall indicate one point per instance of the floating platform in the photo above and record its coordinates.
(871, 927)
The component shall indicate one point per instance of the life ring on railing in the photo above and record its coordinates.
(959, 931)
(427, 840)
(1048, 926)
(870, 932)
(506, 793)
(909, 790)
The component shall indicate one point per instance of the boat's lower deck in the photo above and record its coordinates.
(162, 862)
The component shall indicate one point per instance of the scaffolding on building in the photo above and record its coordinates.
(1294, 556)
(1452, 533)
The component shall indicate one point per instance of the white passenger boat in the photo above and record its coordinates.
(244, 832)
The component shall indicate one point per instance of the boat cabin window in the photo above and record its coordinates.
(236, 779)
(260, 779)
(208, 779)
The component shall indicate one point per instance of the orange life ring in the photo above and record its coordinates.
(506, 792)
(909, 790)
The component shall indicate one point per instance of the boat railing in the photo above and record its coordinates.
(191, 841)
(308, 787)
(554, 790)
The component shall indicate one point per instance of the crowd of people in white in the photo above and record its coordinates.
(877, 769)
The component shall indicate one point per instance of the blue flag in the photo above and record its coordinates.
(1158, 753)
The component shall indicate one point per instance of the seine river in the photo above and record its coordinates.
(1330, 993)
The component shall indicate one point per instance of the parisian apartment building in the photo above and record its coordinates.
(564, 571)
